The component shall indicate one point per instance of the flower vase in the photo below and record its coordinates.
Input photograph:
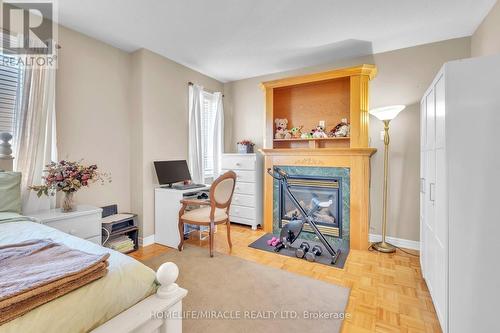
(68, 204)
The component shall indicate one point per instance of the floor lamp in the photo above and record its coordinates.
(386, 114)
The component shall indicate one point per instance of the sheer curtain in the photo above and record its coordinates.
(35, 133)
(218, 134)
(195, 137)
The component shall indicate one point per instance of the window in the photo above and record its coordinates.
(208, 114)
(10, 87)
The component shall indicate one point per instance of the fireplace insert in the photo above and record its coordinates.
(309, 188)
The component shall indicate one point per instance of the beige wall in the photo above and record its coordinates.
(403, 77)
(161, 113)
(122, 111)
(92, 108)
(486, 39)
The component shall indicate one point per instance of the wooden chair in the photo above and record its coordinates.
(216, 210)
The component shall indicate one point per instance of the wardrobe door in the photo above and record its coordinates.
(423, 161)
(440, 112)
(430, 116)
(430, 248)
(429, 223)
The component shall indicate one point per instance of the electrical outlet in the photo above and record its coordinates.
(382, 134)
(322, 123)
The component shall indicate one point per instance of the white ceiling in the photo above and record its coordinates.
(234, 39)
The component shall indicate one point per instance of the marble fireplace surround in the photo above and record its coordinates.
(357, 160)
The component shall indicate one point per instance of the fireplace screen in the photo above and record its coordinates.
(304, 188)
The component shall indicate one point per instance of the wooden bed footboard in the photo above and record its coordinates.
(159, 313)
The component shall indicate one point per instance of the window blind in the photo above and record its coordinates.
(207, 133)
(10, 80)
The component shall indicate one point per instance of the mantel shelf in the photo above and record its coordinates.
(369, 151)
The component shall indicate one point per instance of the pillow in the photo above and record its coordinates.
(10, 192)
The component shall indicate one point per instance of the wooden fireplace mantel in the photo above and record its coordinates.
(305, 101)
(356, 159)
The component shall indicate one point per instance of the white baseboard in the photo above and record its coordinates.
(399, 242)
(145, 241)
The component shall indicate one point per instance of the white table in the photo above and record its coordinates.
(84, 222)
(167, 206)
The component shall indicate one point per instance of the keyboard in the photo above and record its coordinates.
(188, 186)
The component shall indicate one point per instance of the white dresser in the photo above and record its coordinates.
(460, 179)
(246, 207)
(84, 222)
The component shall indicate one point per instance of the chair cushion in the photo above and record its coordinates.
(203, 215)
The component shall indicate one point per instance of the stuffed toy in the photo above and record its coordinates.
(341, 130)
(319, 133)
(306, 136)
(281, 131)
(296, 132)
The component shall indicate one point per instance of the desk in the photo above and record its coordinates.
(167, 206)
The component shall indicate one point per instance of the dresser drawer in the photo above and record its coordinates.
(243, 200)
(244, 188)
(82, 226)
(244, 175)
(238, 163)
(240, 211)
(242, 220)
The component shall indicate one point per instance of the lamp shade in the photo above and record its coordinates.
(387, 112)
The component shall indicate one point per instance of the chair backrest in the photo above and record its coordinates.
(221, 191)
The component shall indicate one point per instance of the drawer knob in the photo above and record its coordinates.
(238, 164)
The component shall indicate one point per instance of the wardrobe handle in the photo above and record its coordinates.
(432, 189)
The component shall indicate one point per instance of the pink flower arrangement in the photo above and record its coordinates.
(69, 177)
(246, 143)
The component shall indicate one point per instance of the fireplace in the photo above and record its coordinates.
(307, 188)
(323, 183)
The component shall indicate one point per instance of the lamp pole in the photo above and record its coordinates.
(383, 246)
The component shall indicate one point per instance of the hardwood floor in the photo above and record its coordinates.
(388, 293)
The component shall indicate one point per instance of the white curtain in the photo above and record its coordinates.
(195, 139)
(218, 133)
(35, 133)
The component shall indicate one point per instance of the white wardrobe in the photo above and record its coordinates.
(460, 194)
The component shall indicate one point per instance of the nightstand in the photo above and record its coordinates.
(84, 222)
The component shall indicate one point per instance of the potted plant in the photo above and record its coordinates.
(245, 147)
(68, 177)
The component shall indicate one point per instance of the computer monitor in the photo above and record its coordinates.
(169, 172)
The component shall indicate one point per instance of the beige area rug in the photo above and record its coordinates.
(242, 296)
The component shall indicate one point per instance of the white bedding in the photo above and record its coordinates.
(127, 282)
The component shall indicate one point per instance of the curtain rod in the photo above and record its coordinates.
(191, 84)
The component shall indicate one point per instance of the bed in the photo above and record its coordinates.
(130, 298)
(122, 301)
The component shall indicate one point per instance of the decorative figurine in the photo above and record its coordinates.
(341, 130)
(296, 132)
(281, 131)
(319, 133)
